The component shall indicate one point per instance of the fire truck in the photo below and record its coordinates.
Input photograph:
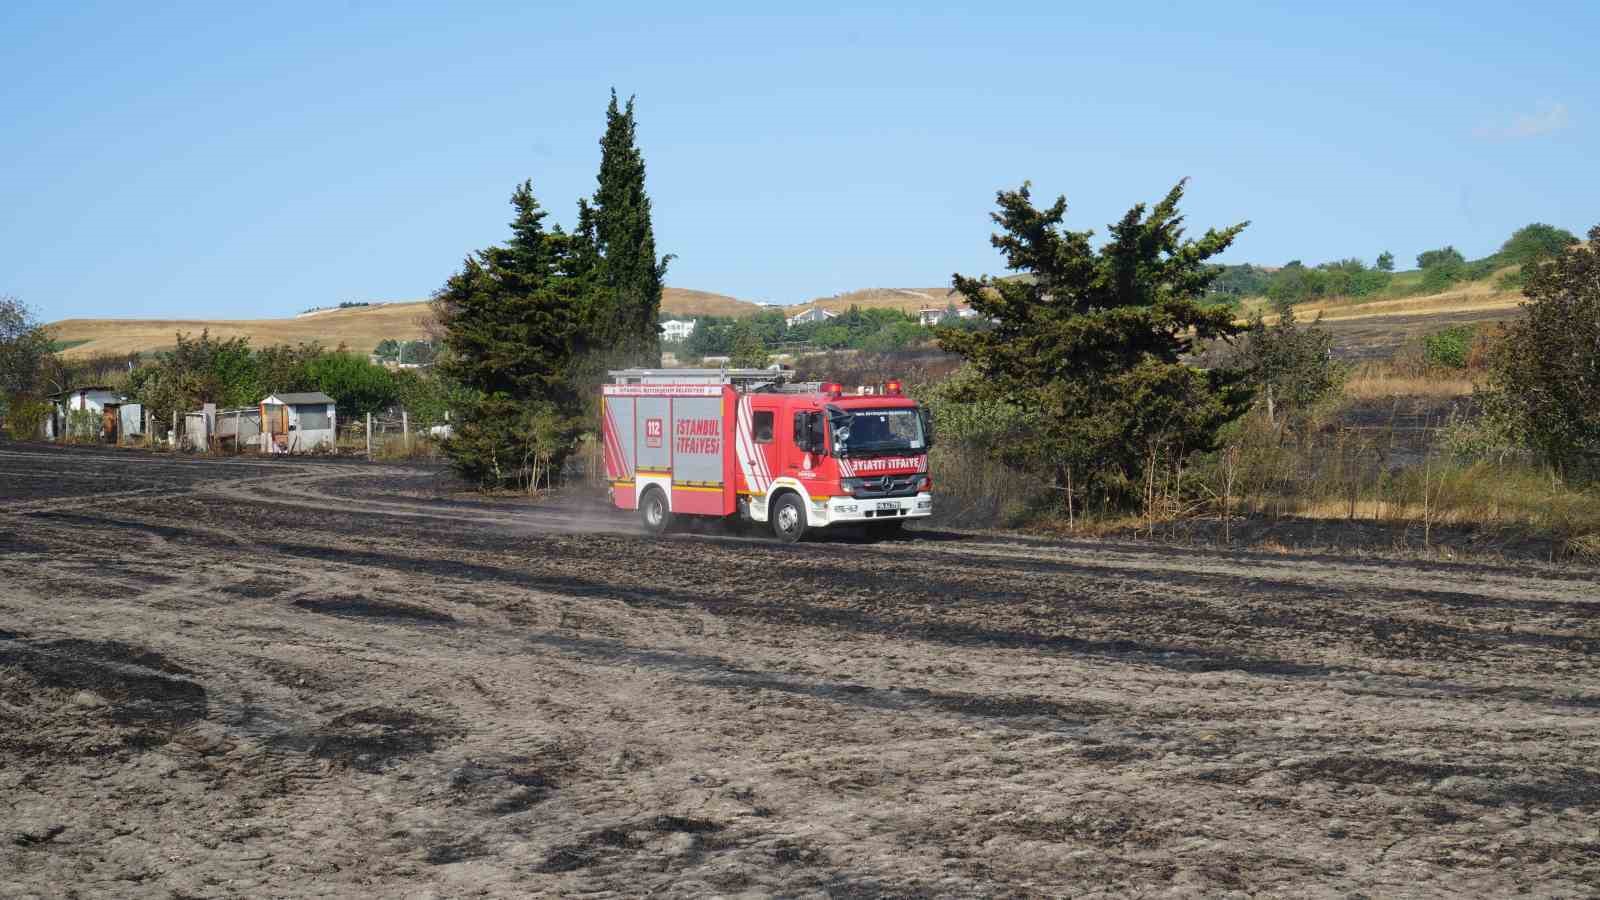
(752, 444)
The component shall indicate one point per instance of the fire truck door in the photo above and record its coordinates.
(796, 459)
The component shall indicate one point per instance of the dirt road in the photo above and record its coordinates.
(270, 678)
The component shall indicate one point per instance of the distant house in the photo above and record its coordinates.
(677, 329)
(930, 316)
(104, 412)
(814, 314)
(298, 423)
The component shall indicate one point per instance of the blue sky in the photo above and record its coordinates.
(209, 160)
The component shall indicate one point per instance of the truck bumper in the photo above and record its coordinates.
(851, 511)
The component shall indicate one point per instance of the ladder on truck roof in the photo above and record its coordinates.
(747, 380)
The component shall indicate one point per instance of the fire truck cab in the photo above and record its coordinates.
(752, 444)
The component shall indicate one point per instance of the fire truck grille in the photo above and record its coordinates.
(882, 486)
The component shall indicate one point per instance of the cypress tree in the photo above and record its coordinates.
(625, 314)
(512, 319)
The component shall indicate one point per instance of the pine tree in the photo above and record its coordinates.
(625, 315)
(1092, 342)
(513, 329)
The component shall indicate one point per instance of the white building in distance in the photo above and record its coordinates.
(933, 315)
(677, 329)
(814, 314)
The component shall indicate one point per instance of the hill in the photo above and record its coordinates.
(686, 302)
(359, 328)
(907, 300)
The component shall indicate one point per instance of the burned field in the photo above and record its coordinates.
(272, 677)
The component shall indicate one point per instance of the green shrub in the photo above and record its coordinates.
(1536, 241)
(84, 425)
(1444, 256)
(1442, 276)
(24, 417)
(1449, 348)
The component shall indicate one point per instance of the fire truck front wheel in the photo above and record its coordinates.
(654, 513)
(788, 518)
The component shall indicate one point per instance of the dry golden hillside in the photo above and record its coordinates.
(684, 302)
(907, 300)
(359, 328)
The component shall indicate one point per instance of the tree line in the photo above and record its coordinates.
(1438, 270)
(877, 330)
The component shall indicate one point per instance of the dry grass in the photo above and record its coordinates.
(1472, 297)
(359, 328)
(1373, 382)
(1482, 494)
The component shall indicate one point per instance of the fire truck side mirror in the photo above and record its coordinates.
(927, 426)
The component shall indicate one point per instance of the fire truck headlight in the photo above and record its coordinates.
(924, 504)
(846, 507)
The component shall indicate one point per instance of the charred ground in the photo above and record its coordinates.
(271, 677)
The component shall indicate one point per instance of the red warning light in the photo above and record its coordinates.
(892, 388)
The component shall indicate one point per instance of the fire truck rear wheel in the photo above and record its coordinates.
(654, 513)
(788, 518)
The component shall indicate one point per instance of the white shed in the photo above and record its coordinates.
(97, 412)
(298, 423)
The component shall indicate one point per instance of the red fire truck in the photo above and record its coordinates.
(752, 444)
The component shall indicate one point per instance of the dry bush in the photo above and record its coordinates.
(973, 490)
(396, 447)
(1352, 475)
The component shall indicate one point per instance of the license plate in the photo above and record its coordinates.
(888, 506)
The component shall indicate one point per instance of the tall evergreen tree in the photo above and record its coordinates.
(624, 317)
(1091, 342)
(513, 329)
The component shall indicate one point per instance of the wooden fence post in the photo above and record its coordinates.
(405, 430)
(369, 437)
(174, 433)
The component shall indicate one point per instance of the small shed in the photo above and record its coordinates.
(101, 411)
(238, 428)
(209, 428)
(298, 422)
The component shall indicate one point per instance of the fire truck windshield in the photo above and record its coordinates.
(866, 431)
